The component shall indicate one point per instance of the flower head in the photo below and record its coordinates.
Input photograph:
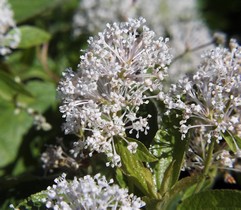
(90, 193)
(211, 97)
(9, 34)
(120, 70)
(211, 101)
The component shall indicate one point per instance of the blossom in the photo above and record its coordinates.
(120, 71)
(212, 95)
(210, 101)
(89, 193)
(180, 21)
(9, 33)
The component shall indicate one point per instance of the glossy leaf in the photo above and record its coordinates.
(32, 36)
(135, 170)
(161, 148)
(142, 152)
(120, 178)
(232, 141)
(170, 150)
(35, 201)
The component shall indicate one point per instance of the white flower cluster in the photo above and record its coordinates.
(90, 194)
(117, 72)
(179, 20)
(211, 99)
(9, 33)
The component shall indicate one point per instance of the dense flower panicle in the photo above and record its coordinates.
(89, 193)
(116, 75)
(8, 39)
(179, 20)
(211, 98)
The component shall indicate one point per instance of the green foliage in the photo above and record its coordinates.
(10, 85)
(43, 97)
(135, 170)
(170, 150)
(142, 153)
(34, 201)
(10, 132)
(32, 36)
(27, 9)
(234, 142)
(213, 199)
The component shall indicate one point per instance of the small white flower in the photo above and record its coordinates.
(208, 101)
(209, 97)
(179, 20)
(103, 97)
(90, 193)
(132, 147)
(9, 33)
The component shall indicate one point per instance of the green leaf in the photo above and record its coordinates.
(232, 141)
(32, 36)
(170, 150)
(34, 201)
(12, 129)
(142, 152)
(167, 181)
(183, 189)
(28, 8)
(135, 170)
(15, 126)
(44, 95)
(213, 199)
(120, 178)
(162, 149)
(16, 87)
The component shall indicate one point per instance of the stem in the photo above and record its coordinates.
(208, 162)
(192, 50)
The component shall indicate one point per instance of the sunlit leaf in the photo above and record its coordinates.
(135, 170)
(234, 142)
(34, 201)
(142, 152)
(170, 149)
(162, 149)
